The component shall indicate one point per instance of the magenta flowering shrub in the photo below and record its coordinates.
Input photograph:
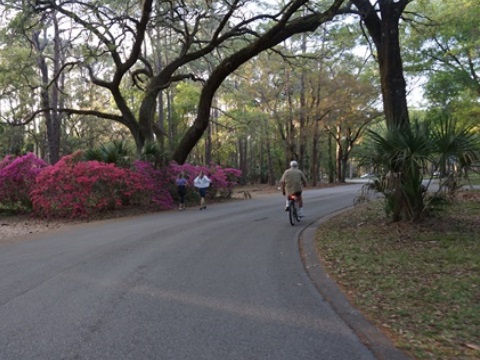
(74, 188)
(159, 180)
(190, 172)
(6, 160)
(17, 179)
(223, 179)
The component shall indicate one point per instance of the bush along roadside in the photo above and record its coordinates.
(79, 188)
(17, 180)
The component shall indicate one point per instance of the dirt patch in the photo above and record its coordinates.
(13, 227)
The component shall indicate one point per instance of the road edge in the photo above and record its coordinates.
(381, 346)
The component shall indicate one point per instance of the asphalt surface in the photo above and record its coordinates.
(224, 283)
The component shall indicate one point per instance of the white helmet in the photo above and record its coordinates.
(293, 164)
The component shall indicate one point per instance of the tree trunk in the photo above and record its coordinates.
(208, 146)
(290, 153)
(51, 121)
(384, 32)
(271, 175)
(339, 153)
(303, 110)
(314, 166)
(56, 118)
(242, 155)
(331, 163)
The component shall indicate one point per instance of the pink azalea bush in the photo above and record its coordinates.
(223, 179)
(158, 180)
(17, 179)
(165, 190)
(6, 160)
(74, 188)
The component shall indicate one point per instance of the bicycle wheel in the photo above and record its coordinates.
(291, 212)
(295, 212)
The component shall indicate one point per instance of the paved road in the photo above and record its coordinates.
(225, 283)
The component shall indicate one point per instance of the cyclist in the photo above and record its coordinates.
(292, 181)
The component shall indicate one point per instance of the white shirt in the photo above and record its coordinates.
(202, 183)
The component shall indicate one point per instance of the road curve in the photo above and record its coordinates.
(223, 283)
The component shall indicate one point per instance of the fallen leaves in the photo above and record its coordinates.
(415, 280)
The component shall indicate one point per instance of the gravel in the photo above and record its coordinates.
(15, 228)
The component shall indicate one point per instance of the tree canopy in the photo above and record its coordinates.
(167, 73)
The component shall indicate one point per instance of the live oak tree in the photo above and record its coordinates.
(382, 20)
(115, 34)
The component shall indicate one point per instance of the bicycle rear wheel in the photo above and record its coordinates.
(291, 212)
(297, 216)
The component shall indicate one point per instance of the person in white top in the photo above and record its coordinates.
(202, 182)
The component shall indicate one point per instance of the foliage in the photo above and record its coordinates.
(223, 179)
(116, 152)
(74, 188)
(152, 153)
(279, 95)
(17, 179)
(158, 180)
(400, 159)
(12, 140)
(186, 98)
(457, 147)
(398, 156)
(448, 44)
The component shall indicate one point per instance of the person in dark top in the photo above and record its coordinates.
(181, 190)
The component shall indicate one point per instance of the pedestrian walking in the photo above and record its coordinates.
(181, 190)
(202, 182)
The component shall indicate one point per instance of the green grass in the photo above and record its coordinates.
(474, 179)
(420, 283)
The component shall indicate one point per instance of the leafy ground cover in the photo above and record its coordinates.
(419, 283)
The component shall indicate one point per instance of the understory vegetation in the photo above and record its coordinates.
(76, 187)
(418, 282)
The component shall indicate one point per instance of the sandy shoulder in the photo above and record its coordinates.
(15, 228)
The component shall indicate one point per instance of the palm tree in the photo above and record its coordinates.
(400, 155)
(117, 152)
(457, 149)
